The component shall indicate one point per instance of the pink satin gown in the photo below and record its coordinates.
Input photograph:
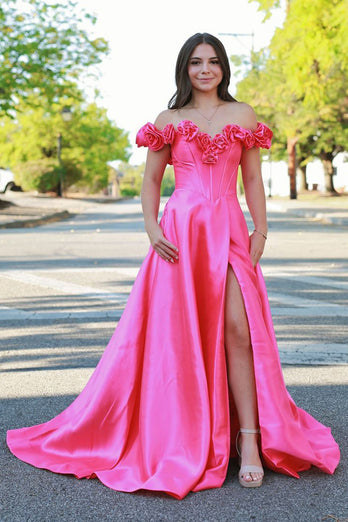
(155, 413)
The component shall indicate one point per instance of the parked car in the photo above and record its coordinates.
(7, 181)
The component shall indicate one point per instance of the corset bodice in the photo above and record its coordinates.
(202, 163)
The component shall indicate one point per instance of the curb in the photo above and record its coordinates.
(327, 220)
(321, 217)
(35, 222)
(271, 206)
(21, 222)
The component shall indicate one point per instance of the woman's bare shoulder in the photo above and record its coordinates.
(164, 118)
(243, 114)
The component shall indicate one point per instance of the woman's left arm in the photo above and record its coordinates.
(256, 201)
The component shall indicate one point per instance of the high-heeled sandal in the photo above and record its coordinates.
(248, 469)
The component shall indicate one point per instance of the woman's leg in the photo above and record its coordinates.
(240, 368)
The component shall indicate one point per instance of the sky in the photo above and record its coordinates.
(137, 77)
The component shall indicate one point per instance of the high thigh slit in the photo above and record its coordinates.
(240, 362)
(155, 413)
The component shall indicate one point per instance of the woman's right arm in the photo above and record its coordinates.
(150, 198)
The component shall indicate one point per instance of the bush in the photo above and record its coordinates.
(43, 174)
(129, 191)
(130, 184)
(168, 182)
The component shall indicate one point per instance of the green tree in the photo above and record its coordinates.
(44, 47)
(95, 140)
(89, 141)
(268, 6)
(305, 76)
(313, 50)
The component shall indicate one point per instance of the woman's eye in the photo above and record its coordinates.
(195, 62)
(215, 62)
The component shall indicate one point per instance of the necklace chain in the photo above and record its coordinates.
(209, 120)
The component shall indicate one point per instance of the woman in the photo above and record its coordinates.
(194, 357)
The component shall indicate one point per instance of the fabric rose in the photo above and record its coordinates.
(228, 133)
(149, 136)
(234, 132)
(238, 132)
(168, 133)
(188, 129)
(209, 156)
(140, 137)
(249, 140)
(221, 142)
(263, 136)
(212, 146)
(204, 140)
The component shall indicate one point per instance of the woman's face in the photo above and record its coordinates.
(204, 69)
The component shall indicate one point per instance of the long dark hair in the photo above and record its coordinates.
(183, 93)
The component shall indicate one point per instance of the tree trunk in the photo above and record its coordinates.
(291, 146)
(326, 159)
(303, 178)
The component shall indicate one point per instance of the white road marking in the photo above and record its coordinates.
(282, 304)
(311, 280)
(126, 271)
(14, 314)
(316, 306)
(310, 269)
(62, 286)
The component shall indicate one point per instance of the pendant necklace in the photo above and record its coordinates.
(209, 120)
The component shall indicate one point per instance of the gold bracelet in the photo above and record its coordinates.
(261, 233)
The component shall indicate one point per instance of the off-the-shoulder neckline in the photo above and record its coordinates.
(207, 133)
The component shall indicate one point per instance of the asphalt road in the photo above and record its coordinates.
(63, 288)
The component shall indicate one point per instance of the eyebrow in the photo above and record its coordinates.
(198, 58)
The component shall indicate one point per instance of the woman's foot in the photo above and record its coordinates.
(251, 471)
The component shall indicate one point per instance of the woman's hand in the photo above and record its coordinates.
(257, 246)
(162, 246)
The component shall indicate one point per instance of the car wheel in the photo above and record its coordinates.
(16, 188)
(9, 186)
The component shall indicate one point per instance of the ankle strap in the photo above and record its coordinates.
(247, 430)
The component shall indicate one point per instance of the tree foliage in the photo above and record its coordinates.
(44, 47)
(132, 180)
(89, 141)
(41, 175)
(300, 82)
(266, 6)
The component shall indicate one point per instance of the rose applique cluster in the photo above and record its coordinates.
(155, 139)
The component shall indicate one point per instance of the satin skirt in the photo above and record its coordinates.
(156, 413)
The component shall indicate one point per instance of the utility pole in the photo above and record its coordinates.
(60, 165)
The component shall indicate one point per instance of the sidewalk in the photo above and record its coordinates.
(25, 209)
(330, 210)
(30, 210)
